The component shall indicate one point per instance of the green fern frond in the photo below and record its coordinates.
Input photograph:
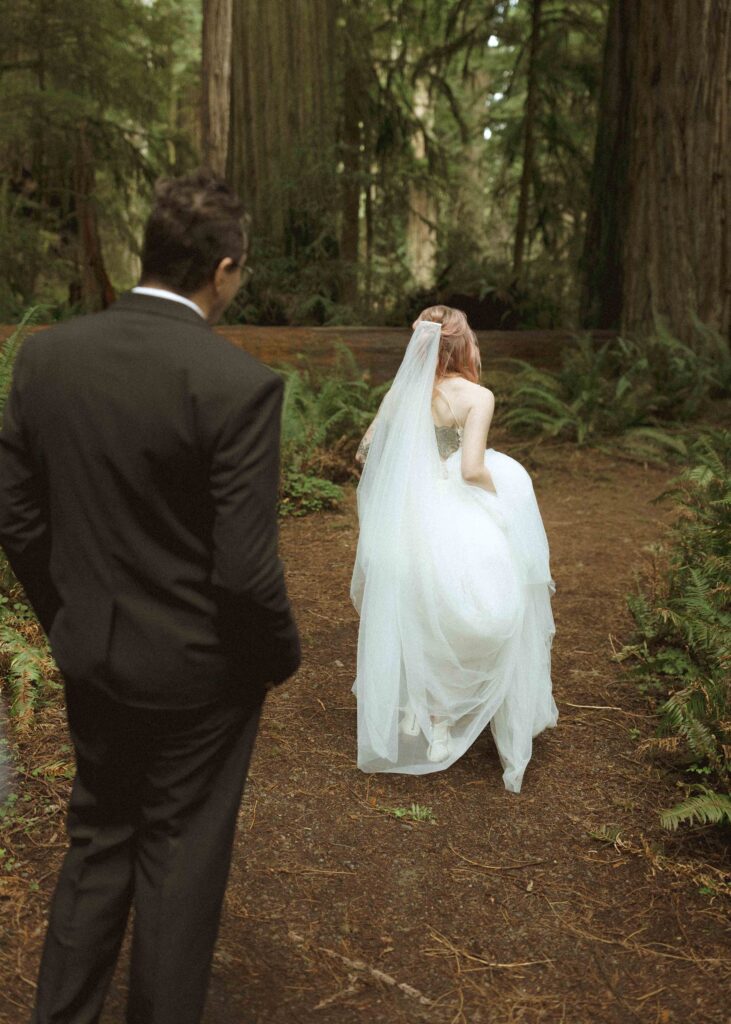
(705, 808)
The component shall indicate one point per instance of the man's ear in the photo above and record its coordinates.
(223, 269)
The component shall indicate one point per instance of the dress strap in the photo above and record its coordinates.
(457, 424)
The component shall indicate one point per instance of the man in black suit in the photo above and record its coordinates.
(139, 462)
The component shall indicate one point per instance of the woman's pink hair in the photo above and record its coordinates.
(458, 350)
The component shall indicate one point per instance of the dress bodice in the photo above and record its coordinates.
(449, 440)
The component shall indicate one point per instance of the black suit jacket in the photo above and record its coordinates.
(139, 465)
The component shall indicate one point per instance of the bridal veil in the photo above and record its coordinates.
(453, 587)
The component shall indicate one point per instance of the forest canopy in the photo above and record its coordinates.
(390, 152)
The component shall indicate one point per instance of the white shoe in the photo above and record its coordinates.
(440, 747)
(409, 724)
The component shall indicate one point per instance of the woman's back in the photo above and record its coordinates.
(459, 405)
(453, 398)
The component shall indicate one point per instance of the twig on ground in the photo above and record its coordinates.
(457, 952)
(341, 994)
(362, 967)
(495, 867)
(605, 707)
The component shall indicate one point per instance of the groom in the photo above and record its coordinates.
(138, 489)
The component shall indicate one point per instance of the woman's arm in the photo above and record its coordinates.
(474, 441)
(362, 454)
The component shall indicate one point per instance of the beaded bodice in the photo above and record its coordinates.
(449, 440)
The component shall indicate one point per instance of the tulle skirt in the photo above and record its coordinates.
(462, 630)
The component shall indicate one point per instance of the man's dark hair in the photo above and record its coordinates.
(196, 222)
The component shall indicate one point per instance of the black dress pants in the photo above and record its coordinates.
(151, 819)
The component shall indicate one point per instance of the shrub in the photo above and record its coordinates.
(25, 657)
(682, 649)
(301, 495)
(325, 413)
(637, 391)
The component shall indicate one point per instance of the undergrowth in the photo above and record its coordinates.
(682, 648)
(27, 671)
(324, 416)
(640, 393)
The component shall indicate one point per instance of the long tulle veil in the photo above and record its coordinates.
(453, 585)
(402, 466)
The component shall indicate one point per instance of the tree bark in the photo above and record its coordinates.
(282, 141)
(216, 81)
(95, 290)
(602, 262)
(529, 117)
(666, 244)
(421, 243)
(351, 188)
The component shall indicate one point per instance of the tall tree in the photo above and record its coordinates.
(354, 115)
(95, 290)
(281, 152)
(421, 240)
(658, 243)
(542, 71)
(603, 265)
(216, 82)
(529, 127)
(85, 96)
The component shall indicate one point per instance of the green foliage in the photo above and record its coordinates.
(416, 812)
(302, 494)
(90, 113)
(704, 808)
(323, 417)
(568, 70)
(637, 390)
(682, 648)
(25, 658)
(9, 351)
(27, 665)
(321, 408)
(429, 120)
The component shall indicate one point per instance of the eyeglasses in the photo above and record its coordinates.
(247, 272)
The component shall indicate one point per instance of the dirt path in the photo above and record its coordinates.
(326, 880)
(505, 909)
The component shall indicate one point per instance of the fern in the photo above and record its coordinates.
(682, 642)
(636, 391)
(9, 351)
(324, 416)
(705, 808)
(29, 673)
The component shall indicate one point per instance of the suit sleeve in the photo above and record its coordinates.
(256, 622)
(25, 531)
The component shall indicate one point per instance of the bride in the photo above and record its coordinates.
(451, 578)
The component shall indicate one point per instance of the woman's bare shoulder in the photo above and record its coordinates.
(469, 393)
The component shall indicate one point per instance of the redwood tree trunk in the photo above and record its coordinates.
(601, 297)
(216, 75)
(350, 216)
(531, 107)
(670, 203)
(421, 239)
(95, 290)
(282, 141)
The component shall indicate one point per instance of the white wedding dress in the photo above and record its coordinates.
(453, 587)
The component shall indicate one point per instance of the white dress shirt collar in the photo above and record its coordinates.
(163, 293)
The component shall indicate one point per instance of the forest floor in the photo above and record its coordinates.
(567, 903)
